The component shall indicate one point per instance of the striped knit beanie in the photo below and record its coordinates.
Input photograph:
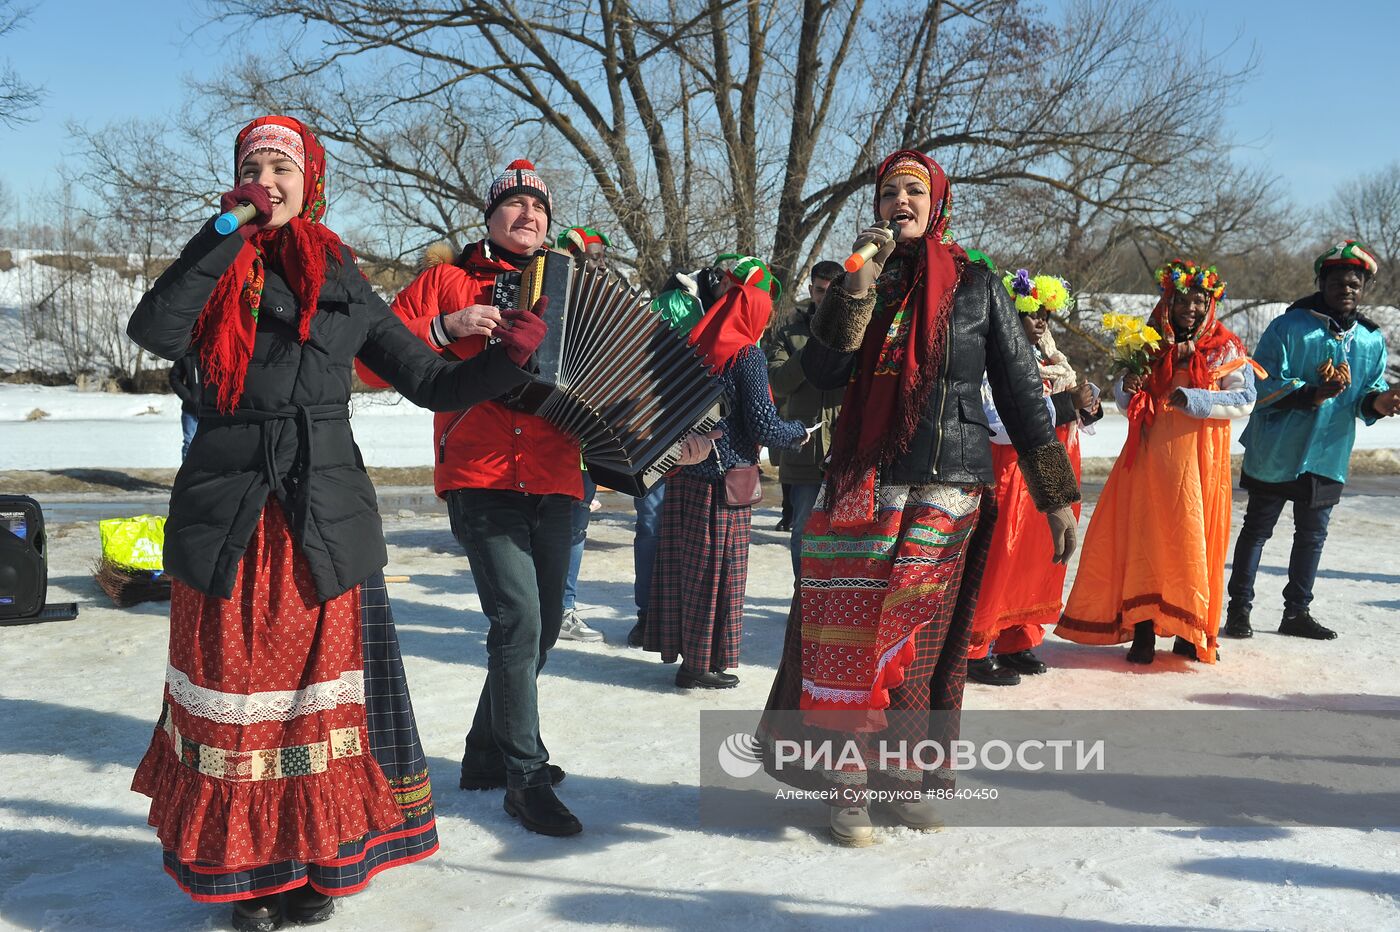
(1351, 252)
(518, 178)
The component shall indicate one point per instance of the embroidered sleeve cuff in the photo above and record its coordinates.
(1049, 477)
(841, 320)
(437, 332)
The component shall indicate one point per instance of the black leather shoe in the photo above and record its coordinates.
(1237, 624)
(986, 670)
(1144, 648)
(496, 781)
(262, 914)
(637, 635)
(1301, 625)
(306, 905)
(686, 679)
(540, 811)
(1022, 661)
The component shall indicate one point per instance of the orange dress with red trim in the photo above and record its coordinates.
(1156, 544)
(1023, 587)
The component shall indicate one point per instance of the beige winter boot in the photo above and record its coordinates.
(919, 815)
(851, 827)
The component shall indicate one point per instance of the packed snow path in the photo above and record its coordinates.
(78, 700)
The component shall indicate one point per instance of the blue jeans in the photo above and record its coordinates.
(518, 548)
(1309, 534)
(803, 496)
(645, 541)
(189, 424)
(580, 535)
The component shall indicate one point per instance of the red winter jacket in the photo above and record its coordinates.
(488, 446)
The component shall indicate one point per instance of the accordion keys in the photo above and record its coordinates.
(610, 373)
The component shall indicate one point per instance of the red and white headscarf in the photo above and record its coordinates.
(298, 251)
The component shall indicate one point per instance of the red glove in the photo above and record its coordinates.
(524, 331)
(248, 193)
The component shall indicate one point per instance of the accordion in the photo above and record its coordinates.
(610, 373)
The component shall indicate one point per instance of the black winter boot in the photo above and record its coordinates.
(1300, 624)
(1144, 647)
(636, 636)
(540, 811)
(261, 914)
(987, 671)
(1023, 662)
(1237, 623)
(306, 905)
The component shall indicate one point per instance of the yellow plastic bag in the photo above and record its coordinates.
(135, 543)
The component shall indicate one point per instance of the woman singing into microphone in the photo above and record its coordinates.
(286, 760)
(892, 556)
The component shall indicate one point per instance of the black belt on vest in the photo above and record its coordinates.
(271, 425)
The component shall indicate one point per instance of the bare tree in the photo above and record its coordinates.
(18, 98)
(703, 124)
(1368, 208)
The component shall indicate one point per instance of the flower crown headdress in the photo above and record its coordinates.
(1181, 275)
(1036, 293)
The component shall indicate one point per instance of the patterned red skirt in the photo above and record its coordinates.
(261, 753)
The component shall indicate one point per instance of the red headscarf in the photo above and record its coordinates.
(735, 321)
(227, 325)
(1217, 351)
(900, 358)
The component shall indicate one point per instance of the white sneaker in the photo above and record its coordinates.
(574, 629)
(920, 816)
(851, 827)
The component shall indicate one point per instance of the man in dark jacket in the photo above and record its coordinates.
(184, 382)
(801, 470)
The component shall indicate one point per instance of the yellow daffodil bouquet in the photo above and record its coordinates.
(1133, 343)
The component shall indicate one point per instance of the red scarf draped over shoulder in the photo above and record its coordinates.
(737, 320)
(224, 333)
(901, 355)
(1217, 351)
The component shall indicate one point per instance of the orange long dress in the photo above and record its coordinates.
(1022, 588)
(1156, 545)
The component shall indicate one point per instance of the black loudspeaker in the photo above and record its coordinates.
(24, 567)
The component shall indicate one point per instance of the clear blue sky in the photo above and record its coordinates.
(1317, 111)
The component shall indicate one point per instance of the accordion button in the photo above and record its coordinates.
(517, 430)
(521, 484)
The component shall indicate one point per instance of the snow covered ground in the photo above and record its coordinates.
(117, 431)
(78, 698)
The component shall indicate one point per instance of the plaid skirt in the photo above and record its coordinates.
(702, 570)
(924, 706)
(394, 743)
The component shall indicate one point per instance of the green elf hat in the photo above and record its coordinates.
(577, 239)
(751, 270)
(1351, 252)
(978, 257)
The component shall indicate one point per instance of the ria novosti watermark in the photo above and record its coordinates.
(1216, 767)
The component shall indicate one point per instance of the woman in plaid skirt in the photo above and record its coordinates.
(702, 563)
(892, 556)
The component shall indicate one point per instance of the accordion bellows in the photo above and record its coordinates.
(611, 373)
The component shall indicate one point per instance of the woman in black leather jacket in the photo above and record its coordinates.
(892, 557)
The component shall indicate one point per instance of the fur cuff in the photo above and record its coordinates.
(1049, 477)
(841, 320)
